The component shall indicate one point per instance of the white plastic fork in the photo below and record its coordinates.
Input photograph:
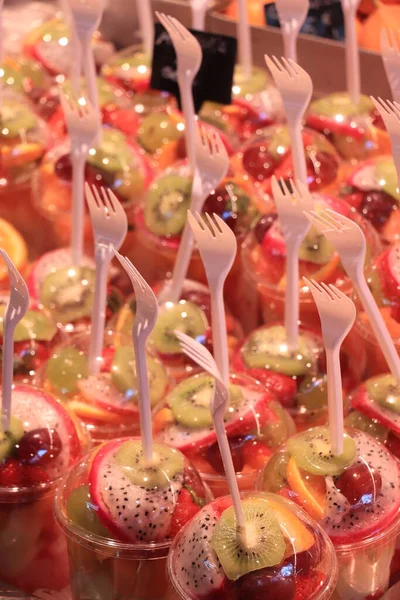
(295, 86)
(337, 313)
(199, 11)
(390, 113)
(295, 225)
(218, 406)
(291, 14)
(349, 9)
(391, 61)
(16, 308)
(217, 246)
(83, 124)
(349, 241)
(189, 57)
(145, 319)
(145, 16)
(110, 227)
(212, 165)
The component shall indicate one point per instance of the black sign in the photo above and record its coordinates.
(214, 79)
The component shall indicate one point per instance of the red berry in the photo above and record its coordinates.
(63, 168)
(219, 202)
(377, 207)
(263, 225)
(185, 509)
(39, 446)
(360, 483)
(273, 583)
(395, 312)
(259, 162)
(33, 475)
(306, 585)
(10, 473)
(213, 455)
(322, 169)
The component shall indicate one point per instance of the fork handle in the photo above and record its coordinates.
(78, 161)
(335, 399)
(89, 68)
(76, 61)
(219, 333)
(289, 42)
(102, 258)
(199, 17)
(292, 294)
(186, 93)
(298, 155)
(7, 374)
(144, 397)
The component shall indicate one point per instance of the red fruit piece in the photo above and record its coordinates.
(360, 483)
(386, 266)
(259, 162)
(213, 454)
(256, 453)
(108, 355)
(306, 585)
(126, 121)
(185, 509)
(10, 473)
(377, 207)
(33, 475)
(272, 583)
(39, 446)
(393, 444)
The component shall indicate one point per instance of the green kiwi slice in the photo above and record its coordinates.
(312, 452)
(9, 438)
(68, 293)
(385, 391)
(16, 119)
(371, 426)
(82, 512)
(386, 174)
(156, 130)
(35, 325)
(243, 85)
(65, 368)
(315, 248)
(184, 316)
(340, 103)
(166, 463)
(123, 375)
(313, 392)
(113, 155)
(260, 545)
(266, 348)
(166, 204)
(274, 475)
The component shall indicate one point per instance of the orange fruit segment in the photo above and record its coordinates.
(91, 412)
(163, 418)
(20, 155)
(301, 538)
(13, 243)
(310, 489)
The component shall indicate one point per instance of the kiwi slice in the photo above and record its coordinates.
(387, 176)
(166, 204)
(312, 393)
(68, 293)
(184, 316)
(9, 438)
(315, 248)
(385, 391)
(123, 375)
(166, 463)
(371, 426)
(156, 130)
(274, 476)
(81, 510)
(113, 155)
(261, 544)
(16, 119)
(243, 85)
(212, 113)
(266, 348)
(280, 143)
(274, 433)
(312, 452)
(374, 284)
(340, 103)
(35, 325)
(65, 368)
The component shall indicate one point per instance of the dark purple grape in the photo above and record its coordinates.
(213, 455)
(263, 225)
(377, 208)
(63, 167)
(273, 583)
(259, 162)
(39, 446)
(360, 483)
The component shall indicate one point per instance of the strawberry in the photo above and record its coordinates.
(125, 120)
(33, 475)
(10, 473)
(108, 355)
(255, 453)
(306, 585)
(324, 124)
(185, 509)
(395, 312)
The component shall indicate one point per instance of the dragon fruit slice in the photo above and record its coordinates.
(337, 505)
(100, 390)
(388, 266)
(364, 401)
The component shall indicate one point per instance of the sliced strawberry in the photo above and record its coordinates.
(126, 121)
(185, 509)
(33, 475)
(306, 585)
(325, 124)
(108, 355)
(256, 453)
(10, 473)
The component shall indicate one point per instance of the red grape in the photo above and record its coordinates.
(213, 455)
(360, 483)
(219, 202)
(272, 583)
(322, 169)
(258, 162)
(63, 168)
(39, 446)
(263, 225)
(377, 207)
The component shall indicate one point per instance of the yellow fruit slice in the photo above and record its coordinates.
(301, 538)
(310, 489)
(89, 411)
(20, 154)
(13, 243)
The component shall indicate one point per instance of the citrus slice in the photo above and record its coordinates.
(13, 243)
(310, 489)
(301, 538)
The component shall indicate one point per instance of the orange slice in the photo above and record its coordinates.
(163, 418)
(89, 411)
(310, 489)
(301, 538)
(20, 155)
(13, 243)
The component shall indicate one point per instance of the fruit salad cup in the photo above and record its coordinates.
(24, 76)
(24, 141)
(14, 244)
(40, 446)
(117, 164)
(298, 378)
(371, 187)
(161, 219)
(120, 516)
(355, 496)
(356, 131)
(108, 402)
(264, 263)
(286, 557)
(268, 153)
(255, 424)
(160, 134)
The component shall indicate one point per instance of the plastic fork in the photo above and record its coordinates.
(16, 308)
(145, 319)
(349, 9)
(390, 113)
(349, 241)
(83, 124)
(145, 16)
(199, 11)
(217, 247)
(218, 406)
(110, 227)
(188, 56)
(296, 88)
(337, 313)
(212, 165)
(291, 14)
(391, 61)
(295, 225)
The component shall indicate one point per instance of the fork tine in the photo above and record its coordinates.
(328, 291)
(340, 219)
(393, 40)
(195, 222)
(313, 285)
(339, 294)
(385, 45)
(106, 202)
(90, 199)
(330, 220)
(207, 219)
(181, 29)
(271, 65)
(319, 221)
(381, 105)
(278, 65)
(288, 68)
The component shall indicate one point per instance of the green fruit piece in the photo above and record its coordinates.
(68, 293)
(129, 185)
(274, 433)
(274, 475)
(15, 120)
(315, 248)
(9, 438)
(212, 113)
(266, 348)
(129, 63)
(166, 463)
(386, 174)
(312, 452)
(34, 325)
(113, 155)
(156, 130)
(81, 510)
(340, 104)
(374, 284)
(106, 92)
(124, 377)
(280, 143)
(183, 316)
(385, 391)
(312, 393)
(260, 545)
(65, 368)
(371, 426)
(13, 78)
(243, 85)
(166, 204)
